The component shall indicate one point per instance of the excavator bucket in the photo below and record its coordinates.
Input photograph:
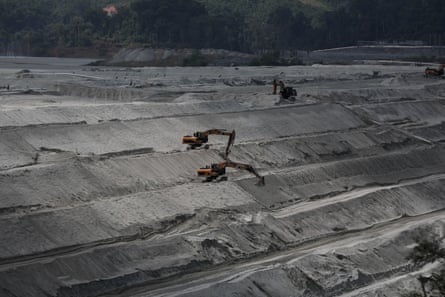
(230, 144)
(261, 182)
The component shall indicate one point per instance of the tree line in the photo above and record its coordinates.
(34, 26)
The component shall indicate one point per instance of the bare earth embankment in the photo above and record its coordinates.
(98, 197)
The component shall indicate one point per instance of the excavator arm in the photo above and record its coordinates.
(219, 169)
(216, 132)
(230, 143)
(246, 167)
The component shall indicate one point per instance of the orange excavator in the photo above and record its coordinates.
(435, 72)
(199, 138)
(217, 171)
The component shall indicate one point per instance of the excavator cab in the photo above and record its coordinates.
(288, 92)
(201, 137)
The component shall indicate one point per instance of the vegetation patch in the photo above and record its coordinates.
(196, 59)
(51, 27)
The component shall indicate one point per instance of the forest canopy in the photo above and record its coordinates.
(34, 26)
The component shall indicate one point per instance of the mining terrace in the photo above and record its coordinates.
(99, 197)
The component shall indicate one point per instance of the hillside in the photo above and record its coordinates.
(40, 27)
(264, 7)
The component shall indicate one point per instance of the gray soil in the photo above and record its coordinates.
(99, 197)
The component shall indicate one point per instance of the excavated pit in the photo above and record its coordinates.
(99, 197)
